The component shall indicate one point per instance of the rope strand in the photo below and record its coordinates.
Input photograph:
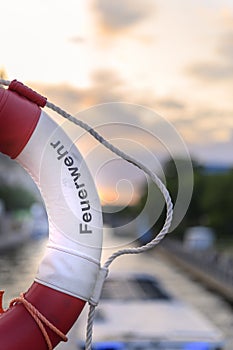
(155, 179)
(39, 319)
(5, 82)
(157, 182)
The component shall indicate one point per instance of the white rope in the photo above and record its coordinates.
(136, 250)
(5, 82)
(141, 166)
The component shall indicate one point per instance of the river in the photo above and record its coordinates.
(18, 268)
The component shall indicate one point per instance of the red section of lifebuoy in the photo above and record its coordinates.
(30, 94)
(18, 119)
(58, 294)
(18, 330)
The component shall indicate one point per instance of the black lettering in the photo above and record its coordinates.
(75, 173)
(54, 145)
(87, 217)
(85, 229)
(78, 186)
(87, 207)
(69, 161)
(61, 155)
(82, 194)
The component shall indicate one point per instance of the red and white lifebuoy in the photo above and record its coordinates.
(67, 274)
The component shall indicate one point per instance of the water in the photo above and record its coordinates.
(18, 268)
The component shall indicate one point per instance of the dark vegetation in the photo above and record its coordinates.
(16, 197)
(212, 198)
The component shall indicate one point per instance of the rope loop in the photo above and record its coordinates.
(168, 220)
(40, 320)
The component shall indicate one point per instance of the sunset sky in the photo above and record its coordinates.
(173, 58)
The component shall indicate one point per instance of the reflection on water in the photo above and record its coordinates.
(18, 268)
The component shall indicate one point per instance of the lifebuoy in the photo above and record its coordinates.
(67, 274)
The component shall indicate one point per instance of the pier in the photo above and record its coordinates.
(212, 269)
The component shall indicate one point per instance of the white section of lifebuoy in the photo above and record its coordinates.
(71, 261)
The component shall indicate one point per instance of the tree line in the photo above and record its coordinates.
(211, 202)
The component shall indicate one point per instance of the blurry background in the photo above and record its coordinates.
(174, 57)
(155, 77)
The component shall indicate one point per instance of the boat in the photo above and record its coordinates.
(137, 313)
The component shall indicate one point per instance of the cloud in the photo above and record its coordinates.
(106, 86)
(221, 67)
(199, 126)
(225, 47)
(204, 129)
(212, 71)
(106, 79)
(76, 40)
(218, 71)
(62, 94)
(213, 152)
(116, 15)
(171, 103)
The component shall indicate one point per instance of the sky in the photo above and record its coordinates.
(154, 76)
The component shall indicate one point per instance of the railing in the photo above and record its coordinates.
(211, 267)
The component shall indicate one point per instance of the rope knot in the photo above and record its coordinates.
(27, 92)
(39, 319)
(93, 301)
(102, 275)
